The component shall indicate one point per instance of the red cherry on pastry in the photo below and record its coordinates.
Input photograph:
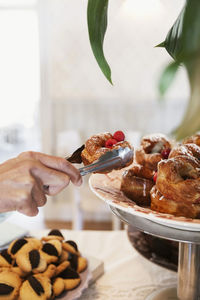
(119, 136)
(165, 153)
(110, 142)
(155, 177)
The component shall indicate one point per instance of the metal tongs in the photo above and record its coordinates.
(114, 159)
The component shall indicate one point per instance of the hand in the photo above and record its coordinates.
(27, 179)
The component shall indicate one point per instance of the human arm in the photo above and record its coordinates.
(27, 179)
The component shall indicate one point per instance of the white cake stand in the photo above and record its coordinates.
(184, 231)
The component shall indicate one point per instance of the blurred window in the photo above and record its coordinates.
(19, 77)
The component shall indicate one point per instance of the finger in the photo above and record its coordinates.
(38, 194)
(55, 180)
(61, 164)
(53, 190)
(57, 163)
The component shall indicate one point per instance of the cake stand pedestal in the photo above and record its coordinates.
(188, 287)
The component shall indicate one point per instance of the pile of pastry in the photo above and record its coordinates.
(166, 175)
(40, 269)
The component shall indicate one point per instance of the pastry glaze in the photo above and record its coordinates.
(135, 186)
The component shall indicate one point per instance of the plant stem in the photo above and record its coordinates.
(191, 120)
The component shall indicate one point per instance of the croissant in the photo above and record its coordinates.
(194, 139)
(180, 209)
(177, 189)
(95, 147)
(153, 149)
(135, 186)
(192, 150)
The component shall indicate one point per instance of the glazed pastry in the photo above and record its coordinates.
(194, 139)
(137, 182)
(36, 287)
(95, 147)
(31, 261)
(101, 143)
(51, 251)
(161, 204)
(186, 149)
(54, 234)
(178, 179)
(5, 259)
(177, 187)
(10, 284)
(153, 148)
(142, 171)
(136, 188)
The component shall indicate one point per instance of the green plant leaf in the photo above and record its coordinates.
(183, 44)
(174, 39)
(97, 25)
(167, 77)
(183, 39)
(161, 45)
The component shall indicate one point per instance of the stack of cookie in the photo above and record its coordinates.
(40, 269)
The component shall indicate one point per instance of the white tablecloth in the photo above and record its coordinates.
(127, 274)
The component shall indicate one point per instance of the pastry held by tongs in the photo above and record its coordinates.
(103, 153)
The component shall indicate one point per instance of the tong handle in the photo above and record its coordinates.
(99, 166)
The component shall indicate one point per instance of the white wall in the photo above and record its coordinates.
(129, 48)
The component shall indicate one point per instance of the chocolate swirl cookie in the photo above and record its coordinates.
(54, 234)
(10, 284)
(31, 261)
(51, 251)
(5, 259)
(36, 287)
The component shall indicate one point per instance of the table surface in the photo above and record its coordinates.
(127, 274)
